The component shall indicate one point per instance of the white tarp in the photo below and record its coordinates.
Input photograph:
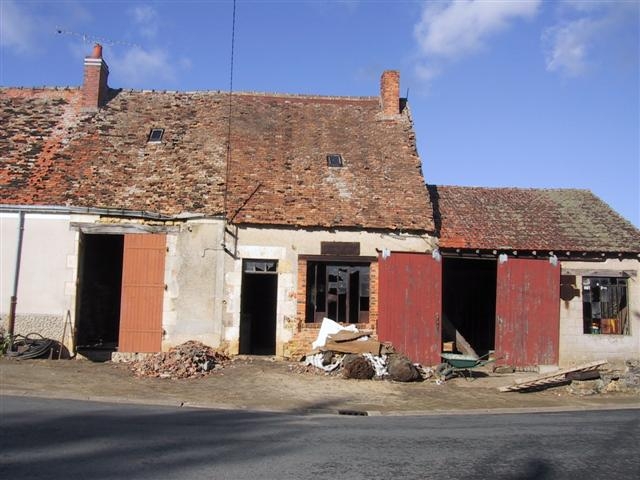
(327, 328)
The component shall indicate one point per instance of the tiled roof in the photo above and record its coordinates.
(529, 219)
(53, 154)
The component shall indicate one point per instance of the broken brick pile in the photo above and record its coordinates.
(189, 360)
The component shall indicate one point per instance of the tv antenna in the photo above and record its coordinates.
(86, 38)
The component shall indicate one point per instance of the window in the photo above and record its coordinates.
(260, 266)
(337, 290)
(605, 305)
(335, 160)
(155, 136)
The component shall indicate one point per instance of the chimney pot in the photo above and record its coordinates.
(97, 51)
(390, 92)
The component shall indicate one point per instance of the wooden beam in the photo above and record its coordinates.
(122, 228)
(551, 378)
(590, 272)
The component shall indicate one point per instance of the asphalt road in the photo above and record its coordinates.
(55, 439)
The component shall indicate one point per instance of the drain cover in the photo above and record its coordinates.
(355, 413)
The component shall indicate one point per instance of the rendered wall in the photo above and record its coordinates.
(577, 347)
(193, 300)
(285, 246)
(46, 288)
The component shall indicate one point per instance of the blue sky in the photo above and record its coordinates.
(503, 93)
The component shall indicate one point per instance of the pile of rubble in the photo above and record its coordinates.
(189, 360)
(354, 354)
(621, 381)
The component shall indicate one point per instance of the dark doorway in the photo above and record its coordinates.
(258, 307)
(99, 290)
(469, 301)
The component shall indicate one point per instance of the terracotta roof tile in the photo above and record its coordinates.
(529, 219)
(55, 155)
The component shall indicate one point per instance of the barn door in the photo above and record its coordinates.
(142, 293)
(410, 293)
(527, 312)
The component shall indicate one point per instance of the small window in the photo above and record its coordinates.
(260, 266)
(605, 307)
(335, 160)
(155, 136)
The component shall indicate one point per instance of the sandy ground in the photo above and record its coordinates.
(258, 383)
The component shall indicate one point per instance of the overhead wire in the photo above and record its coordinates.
(227, 170)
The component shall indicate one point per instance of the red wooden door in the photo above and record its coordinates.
(409, 304)
(527, 312)
(142, 293)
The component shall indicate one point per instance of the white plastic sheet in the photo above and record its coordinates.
(327, 328)
(316, 361)
(379, 363)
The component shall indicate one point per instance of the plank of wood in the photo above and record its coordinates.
(550, 378)
(461, 343)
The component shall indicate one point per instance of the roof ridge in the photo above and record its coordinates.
(537, 189)
(43, 87)
(250, 94)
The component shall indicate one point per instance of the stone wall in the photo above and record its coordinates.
(49, 326)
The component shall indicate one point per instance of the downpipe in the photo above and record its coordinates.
(14, 297)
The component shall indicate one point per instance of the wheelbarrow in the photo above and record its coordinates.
(457, 364)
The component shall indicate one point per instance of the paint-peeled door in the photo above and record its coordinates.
(142, 293)
(527, 312)
(410, 298)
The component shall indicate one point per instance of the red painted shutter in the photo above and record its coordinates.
(410, 297)
(142, 293)
(527, 312)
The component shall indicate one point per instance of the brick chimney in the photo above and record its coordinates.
(390, 92)
(94, 85)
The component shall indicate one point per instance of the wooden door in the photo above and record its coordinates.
(142, 293)
(527, 312)
(410, 298)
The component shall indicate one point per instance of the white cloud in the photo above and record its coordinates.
(450, 30)
(567, 46)
(17, 28)
(139, 67)
(147, 20)
(454, 29)
(583, 28)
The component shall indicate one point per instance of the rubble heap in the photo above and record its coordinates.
(189, 360)
(357, 355)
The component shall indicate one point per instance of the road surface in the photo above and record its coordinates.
(56, 439)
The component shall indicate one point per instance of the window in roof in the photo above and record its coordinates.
(155, 136)
(335, 160)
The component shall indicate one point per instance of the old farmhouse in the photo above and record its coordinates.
(132, 221)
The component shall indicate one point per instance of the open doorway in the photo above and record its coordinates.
(469, 304)
(259, 301)
(98, 294)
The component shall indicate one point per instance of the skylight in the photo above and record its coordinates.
(335, 160)
(155, 136)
